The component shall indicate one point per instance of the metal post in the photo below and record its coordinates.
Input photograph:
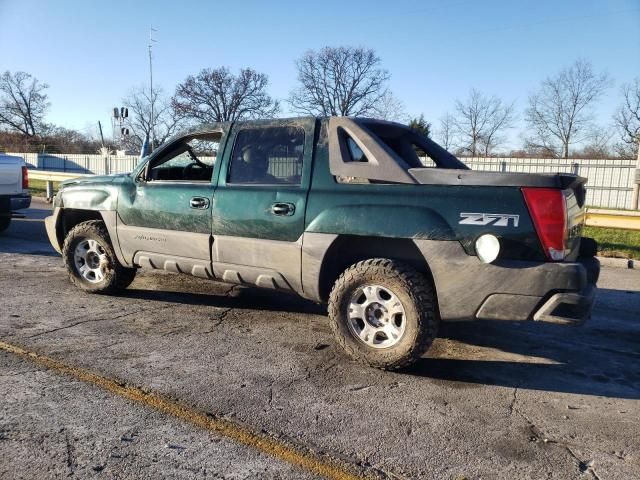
(152, 122)
(49, 190)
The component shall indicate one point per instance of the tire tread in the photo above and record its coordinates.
(419, 289)
(121, 276)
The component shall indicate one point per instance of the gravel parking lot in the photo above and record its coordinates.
(491, 400)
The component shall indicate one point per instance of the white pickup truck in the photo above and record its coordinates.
(14, 188)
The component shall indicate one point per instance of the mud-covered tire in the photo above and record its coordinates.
(4, 223)
(420, 313)
(115, 276)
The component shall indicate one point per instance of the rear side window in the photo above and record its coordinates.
(267, 156)
(355, 155)
(355, 152)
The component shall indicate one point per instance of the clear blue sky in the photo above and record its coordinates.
(91, 53)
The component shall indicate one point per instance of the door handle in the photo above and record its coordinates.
(199, 203)
(283, 209)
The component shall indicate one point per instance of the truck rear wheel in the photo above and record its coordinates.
(91, 262)
(4, 223)
(383, 313)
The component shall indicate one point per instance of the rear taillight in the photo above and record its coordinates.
(548, 210)
(25, 178)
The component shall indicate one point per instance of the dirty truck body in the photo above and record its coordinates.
(329, 208)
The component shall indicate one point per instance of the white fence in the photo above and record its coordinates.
(610, 182)
(80, 163)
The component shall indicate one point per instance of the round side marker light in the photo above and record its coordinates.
(487, 248)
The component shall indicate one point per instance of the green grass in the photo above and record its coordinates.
(615, 242)
(38, 188)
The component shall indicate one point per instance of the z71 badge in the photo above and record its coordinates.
(496, 219)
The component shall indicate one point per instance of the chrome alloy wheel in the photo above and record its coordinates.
(90, 260)
(376, 316)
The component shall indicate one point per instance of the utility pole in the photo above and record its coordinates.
(101, 135)
(151, 42)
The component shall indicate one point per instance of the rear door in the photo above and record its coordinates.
(260, 201)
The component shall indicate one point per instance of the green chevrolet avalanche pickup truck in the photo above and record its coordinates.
(392, 231)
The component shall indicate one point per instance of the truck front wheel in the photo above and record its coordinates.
(383, 313)
(91, 262)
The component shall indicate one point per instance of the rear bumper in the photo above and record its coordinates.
(9, 203)
(511, 290)
(567, 308)
(572, 308)
(567, 302)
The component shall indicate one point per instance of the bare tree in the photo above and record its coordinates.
(390, 108)
(535, 150)
(446, 134)
(216, 95)
(480, 120)
(627, 119)
(166, 122)
(23, 103)
(66, 140)
(53, 140)
(559, 113)
(339, 81)
(598, 145)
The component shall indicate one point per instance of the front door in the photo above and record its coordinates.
(260, 201)
(165, 214)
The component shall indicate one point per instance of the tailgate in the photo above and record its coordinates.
(575, 195)
(10, 177)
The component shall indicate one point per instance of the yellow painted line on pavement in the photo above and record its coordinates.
(311, 462)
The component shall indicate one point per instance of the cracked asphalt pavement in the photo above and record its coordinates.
(490, 400)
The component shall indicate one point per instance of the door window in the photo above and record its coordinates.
(189, 160)
(267, 156)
